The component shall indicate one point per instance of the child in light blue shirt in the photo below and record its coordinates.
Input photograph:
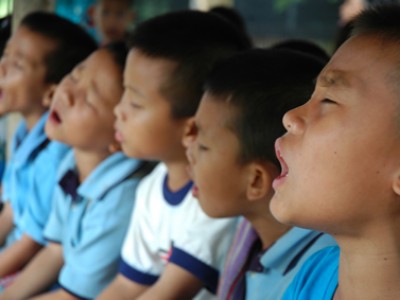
(95, 192)
(43, 49)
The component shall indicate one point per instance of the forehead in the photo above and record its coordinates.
(214, 113)
(104, 73)
(361, 63)
(30, 45)
(147, 73)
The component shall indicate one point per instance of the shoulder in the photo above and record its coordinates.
(317, 279)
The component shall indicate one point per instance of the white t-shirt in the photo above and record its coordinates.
(171, 227)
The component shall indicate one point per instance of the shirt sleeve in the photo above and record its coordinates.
(93, 262)
(139, 246)
(53, 230)
(203, 247)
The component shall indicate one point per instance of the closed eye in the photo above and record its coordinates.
(328, 101)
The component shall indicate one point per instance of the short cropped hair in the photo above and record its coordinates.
(119, 52)
(304, 46)
(73, 43)
(194, 41)
(260, 86)
(381, 20)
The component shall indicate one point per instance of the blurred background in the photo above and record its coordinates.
(267, 21)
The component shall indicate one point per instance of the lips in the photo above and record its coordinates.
(55, 117)
(195, 191)
(284, 167)
(118, 135)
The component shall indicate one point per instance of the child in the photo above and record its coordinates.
(236, 125)
(172, 249)
(111, 19)
(95, 191)
(43, 49)
(340, 167)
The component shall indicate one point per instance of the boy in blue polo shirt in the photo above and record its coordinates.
(340, 166)
(236, 125)
(43, 49)
(172, 249)
(95, 192)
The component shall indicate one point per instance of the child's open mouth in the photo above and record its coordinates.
(284, 168)
(55, 117)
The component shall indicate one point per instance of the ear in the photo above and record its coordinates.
(260, 180)
(396, 183)
(48, 95)
(189, 132)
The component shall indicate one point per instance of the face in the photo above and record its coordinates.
(213, 153)
(81, 113)
(342, 147)
(112, 19)
(22, 72)
(145, 127)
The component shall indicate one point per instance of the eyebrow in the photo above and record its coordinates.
(334, 78)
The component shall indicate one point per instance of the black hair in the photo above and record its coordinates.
(304, 46)
(73, 43)
(260, 86)
(230, 15)
(382, 20)
(194, 41)
(5, 32)
(119, 52)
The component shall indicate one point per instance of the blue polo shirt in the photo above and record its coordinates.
(39, 200)
(318, 278)
(90, 220)
(18, 177)
(280, 263)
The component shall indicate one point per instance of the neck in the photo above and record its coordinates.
(370, 267)
(267, 227)
(87, 161)
(178, 174)
(32, 118)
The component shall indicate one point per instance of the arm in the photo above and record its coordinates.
(40, 273)
(6, 222)
(122, 288)
(60, 294)
(174, 283)
(14, 257)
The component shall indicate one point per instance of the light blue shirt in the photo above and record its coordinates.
(18, 178)
(281, 262)
(318, 278)
(39, 200)
(91, 221)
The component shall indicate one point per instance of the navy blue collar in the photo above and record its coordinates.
(70, 183)
(175, 198)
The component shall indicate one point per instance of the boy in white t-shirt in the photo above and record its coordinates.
(172, 249)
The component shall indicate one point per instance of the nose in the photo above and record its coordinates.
(119, 112)
(293, 121)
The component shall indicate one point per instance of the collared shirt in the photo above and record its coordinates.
(18, 177)
(90, 221)
(278, 264)
(39, 200)
(170, 227)
(318, 278)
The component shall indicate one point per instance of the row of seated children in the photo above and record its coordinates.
(93, 187)
(224, 114)
(42, 50)
(91, 203)
(80, 241)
